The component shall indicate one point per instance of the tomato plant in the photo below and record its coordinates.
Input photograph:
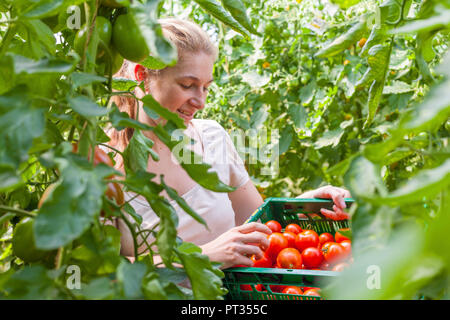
(371, 116)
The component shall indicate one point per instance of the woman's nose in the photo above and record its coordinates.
(197, 103)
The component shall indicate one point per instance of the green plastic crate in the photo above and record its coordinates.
(304, 212)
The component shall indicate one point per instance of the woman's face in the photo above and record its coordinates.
(182, 89)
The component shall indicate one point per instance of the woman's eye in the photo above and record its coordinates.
(185, 86)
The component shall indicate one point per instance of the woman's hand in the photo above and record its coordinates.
(238, 244)
(335, 193)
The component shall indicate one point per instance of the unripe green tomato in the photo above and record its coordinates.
(111, 4)
(23, 244)
(293, 83)
(270, 27)
(293, 69)
(128, 40)
(305, 78)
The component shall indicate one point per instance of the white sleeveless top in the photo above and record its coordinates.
(214, 207)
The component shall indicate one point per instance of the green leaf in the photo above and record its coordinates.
(33, 282)
(363, 178)
(391, 12)
(330, 138)
(153, 63)
(427, 183)
(343, 42)
(23, 65)
(214, 8)
(86, 107)
(398, 87)
(81, 79)
(74, 203)
(345, 4)
(20, 123)
(44, 8)
(9, 178)
(98, 289)
(440, 20)
(256, 80)
(205, 279)
(299, 115)
(146, 20)
(137, 152)
(121, 120)
(238, 11)
(130, 277)
(167, 231)
(123, 84)
(286, 139)
(151, 104)
(432, 112)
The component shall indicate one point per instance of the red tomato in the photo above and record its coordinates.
(276, 288)
(264, 262)
(292, 290)
(291, 238)
(246, 287)
(311, 292)
(325, 237)
(277, 242)
(275, 226)
(260, 287)
(294, 228)
(347, 245)
(340, 267)
(306, 239)
(339, 237)
(312, 257)
(289, 258)
(333, 252)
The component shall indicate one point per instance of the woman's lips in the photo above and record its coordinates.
(185, 115)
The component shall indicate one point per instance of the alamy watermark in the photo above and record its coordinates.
(373, 281)
(230, 150)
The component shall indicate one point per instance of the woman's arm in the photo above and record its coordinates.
(245, 200)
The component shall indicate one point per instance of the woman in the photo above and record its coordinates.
(183, 89)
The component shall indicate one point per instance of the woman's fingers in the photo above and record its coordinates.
(338, 214)
(256, 239)
(254, 226)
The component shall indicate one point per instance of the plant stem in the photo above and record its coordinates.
(19, 212)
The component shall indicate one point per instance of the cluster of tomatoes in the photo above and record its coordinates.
(297, 248)
(119, 35)
(285, 289)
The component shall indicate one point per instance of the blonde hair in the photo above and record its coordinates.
(187, 37)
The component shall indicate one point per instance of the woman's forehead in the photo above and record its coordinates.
(199, 66)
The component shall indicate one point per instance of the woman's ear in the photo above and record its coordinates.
(139, 72)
